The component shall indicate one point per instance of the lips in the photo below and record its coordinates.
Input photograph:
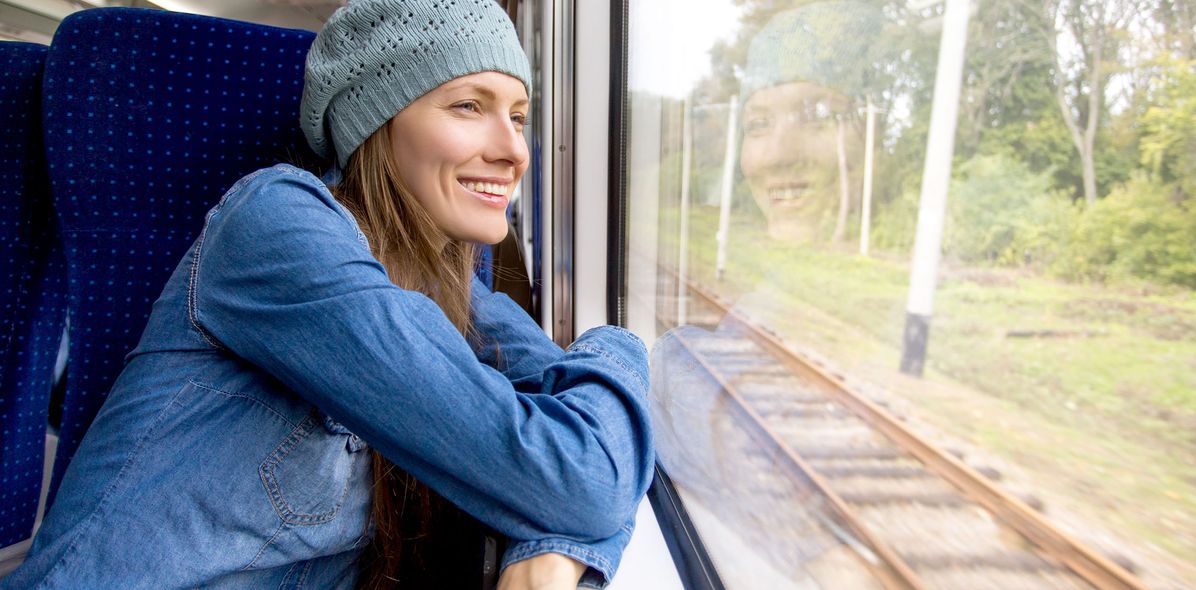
(491, 191)
(788, 193)
(498, 189)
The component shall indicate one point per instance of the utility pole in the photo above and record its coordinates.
(687, 144)
(724, 209)
(936, 177)
(869, 155)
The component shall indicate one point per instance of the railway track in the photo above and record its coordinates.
(916, 516)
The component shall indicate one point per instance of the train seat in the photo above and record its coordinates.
(32, 291)
(149, 117)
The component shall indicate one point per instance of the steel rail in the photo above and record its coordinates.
(888, 567)
(1093, 567)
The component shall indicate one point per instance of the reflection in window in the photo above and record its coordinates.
(1062, 355)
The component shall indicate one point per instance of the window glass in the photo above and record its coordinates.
(776, 160)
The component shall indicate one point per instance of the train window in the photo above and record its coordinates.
(918, 280)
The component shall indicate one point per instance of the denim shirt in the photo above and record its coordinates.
(230, 452)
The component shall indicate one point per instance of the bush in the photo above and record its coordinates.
(895, 223)
(999, 212)
(1138, 231)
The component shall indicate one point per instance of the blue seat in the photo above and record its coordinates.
(31, 292)
(149, 117)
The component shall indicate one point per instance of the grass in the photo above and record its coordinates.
(1101, 413)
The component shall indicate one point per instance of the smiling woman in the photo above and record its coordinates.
(311, 322)
(802, 137)
(461, 150)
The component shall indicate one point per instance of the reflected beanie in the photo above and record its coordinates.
(374, 57)
(835, 44)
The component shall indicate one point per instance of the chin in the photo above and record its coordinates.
(489, 235)
(795, 231)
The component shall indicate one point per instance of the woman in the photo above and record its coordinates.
(306, 326)
(807, 75)
(806, 71)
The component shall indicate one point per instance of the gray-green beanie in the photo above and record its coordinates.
(374, 57)
(834, 44)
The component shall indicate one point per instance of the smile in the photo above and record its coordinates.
(785, 193)
(489, 192)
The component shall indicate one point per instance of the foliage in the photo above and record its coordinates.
(1029, 141)
(895, 223)
(1168, 144)
(1137, 232)
(1001, 213)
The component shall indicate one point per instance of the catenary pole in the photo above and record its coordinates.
(687, 141)
(724, 208)
(936, 177)
(869, 155)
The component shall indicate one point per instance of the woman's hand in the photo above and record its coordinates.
(547, 571)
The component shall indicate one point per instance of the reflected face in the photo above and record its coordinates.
(790, 155)
(461, 151)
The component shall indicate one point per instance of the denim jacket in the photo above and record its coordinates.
(230, 452)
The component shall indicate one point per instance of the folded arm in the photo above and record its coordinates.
(281, 280)
(515, 345)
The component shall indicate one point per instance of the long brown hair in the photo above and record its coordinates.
(417, 256)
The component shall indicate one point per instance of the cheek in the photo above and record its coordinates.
(750, 158)
(455, 145)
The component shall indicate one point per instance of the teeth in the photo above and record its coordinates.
(786, 193)
(489, 188)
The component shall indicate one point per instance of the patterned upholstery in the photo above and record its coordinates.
(149, 117)
(32, 290)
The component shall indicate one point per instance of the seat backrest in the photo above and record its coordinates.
(31, 290)
(149, 117)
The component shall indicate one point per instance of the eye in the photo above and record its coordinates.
(469, 105)
(757, 124)
(822, 110)
(519, 119)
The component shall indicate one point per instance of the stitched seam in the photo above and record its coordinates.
(265, 546)
(629, 335)
(266, 471)
(192, 305)
(559, 547)
(613, 358)
(303, 575)
(286, 580)
(245, 397)
(74, 546)
(192, 283)
(299, 172)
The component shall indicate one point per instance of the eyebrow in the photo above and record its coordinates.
(488, 93)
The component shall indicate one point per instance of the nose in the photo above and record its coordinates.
(506, 143)
(798, 146)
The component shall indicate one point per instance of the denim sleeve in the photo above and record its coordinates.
(602, 557)
(281, 280)
(514, 344)
(509, 340)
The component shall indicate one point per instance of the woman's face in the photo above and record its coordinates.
(460, 149)
(789, 155)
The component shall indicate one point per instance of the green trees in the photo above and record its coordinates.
(1076, 153)
(1168, 126)
(1076, 144)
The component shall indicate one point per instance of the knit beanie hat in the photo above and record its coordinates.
(374, 57)
(834, 44)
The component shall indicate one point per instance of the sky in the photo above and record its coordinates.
(669, 48)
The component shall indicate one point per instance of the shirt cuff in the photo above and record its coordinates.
(601, 557)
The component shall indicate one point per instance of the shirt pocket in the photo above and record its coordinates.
(308, 475)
